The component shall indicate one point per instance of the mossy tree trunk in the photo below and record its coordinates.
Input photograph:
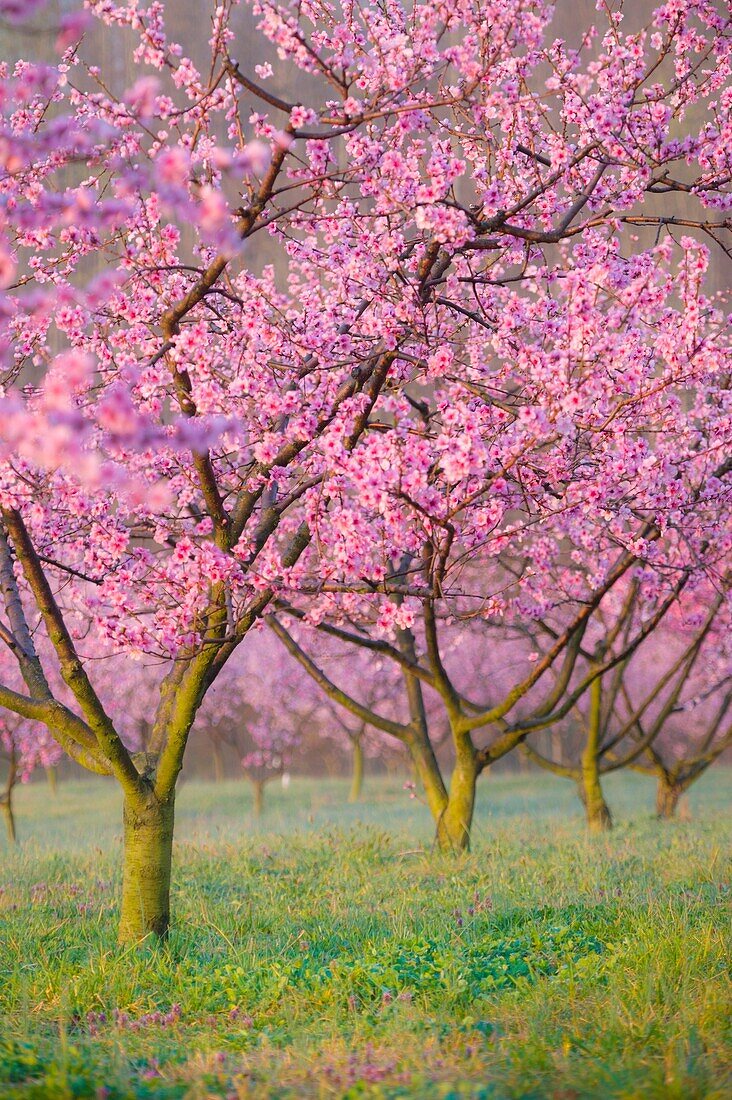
(668, 794)
(597, 811)
(148, 850)
(455, 823)
(451, 809)
(357, 763)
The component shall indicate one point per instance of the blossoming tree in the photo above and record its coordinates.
(267, 707)
(694, 728)
(505, 513)
(629, 714)
(466, 322)
(24, 746)
(263, 703)
(378, 686)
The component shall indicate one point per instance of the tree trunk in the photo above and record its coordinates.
(426, 769)
(456, 820)
(258, 797)
(357, 772)
(8, 814)
(6, 798)
(52, 777)
(148, 848)
(597, 812)
(668, 794)
(427, 772)
(218, 762)
(599, 818)
(394, 765)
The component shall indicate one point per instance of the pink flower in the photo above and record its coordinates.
(142, 97)
(72, 28)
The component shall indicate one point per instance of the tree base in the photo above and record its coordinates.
(668, 796)
(354, 795)
(597, 812)
(7, 808)
(148, 850)
(600, 820)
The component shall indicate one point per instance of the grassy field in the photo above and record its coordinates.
(327, 951)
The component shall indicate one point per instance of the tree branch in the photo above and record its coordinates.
(72, 669)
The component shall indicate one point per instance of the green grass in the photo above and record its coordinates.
(328, 951)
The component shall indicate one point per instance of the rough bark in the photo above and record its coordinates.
(597, 811)
(148, 849)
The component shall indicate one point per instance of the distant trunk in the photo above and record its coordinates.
(6, 798)
(357, 771)
(52, 777)
(394, 765)
(668, 794)
(332, 765)
(8, 814)
(148, 849)
(218, 762)
(258, 785)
